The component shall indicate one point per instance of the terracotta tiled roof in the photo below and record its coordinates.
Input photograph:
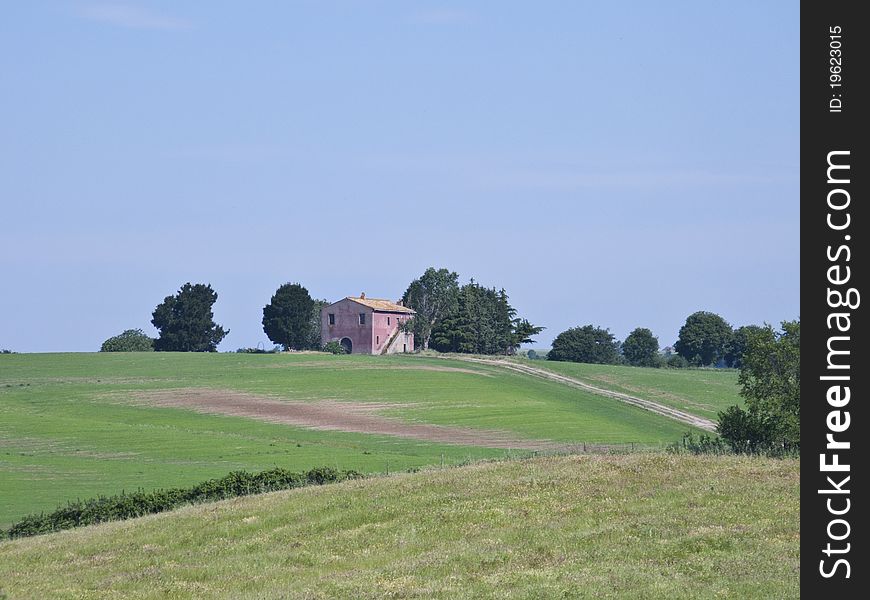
(381, 305)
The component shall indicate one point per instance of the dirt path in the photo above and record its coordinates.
(650, 405)
(357, 417)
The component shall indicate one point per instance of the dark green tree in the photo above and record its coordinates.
(433, 296)
(704, 339)
(587, 344)
(483, 322)
(641, 348)
(739, 342)
(131, 340)
(522, 334)
(186, 321)
(472, 326)
(287, 319)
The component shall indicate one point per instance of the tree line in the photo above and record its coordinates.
(705, 340)
(449, 318)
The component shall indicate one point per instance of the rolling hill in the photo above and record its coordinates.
(633, 526)
(81, 425)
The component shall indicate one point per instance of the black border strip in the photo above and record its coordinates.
(834, 227)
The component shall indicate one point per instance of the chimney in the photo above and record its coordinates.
(400, 302)
(362, 296)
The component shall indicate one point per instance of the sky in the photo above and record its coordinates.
(622, 164)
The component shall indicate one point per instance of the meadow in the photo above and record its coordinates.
(79, 425)
(631, 526)
(703, 392)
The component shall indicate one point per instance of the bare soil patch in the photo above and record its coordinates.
(357, 417)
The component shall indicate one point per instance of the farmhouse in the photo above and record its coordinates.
(366, 325)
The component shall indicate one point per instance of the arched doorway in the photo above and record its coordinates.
(347, 345)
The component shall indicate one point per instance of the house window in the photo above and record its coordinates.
(388, 320)
(362, 318)
(378, 340)
(332, 318)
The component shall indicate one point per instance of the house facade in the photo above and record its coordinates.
(366, 325)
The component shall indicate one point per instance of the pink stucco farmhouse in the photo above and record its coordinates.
(366, 325)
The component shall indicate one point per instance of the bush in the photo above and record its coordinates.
(132, 340)
(334, 348)
(139, 503)
(675, 361)
(5, 351)
(274, 350)
(744, 430)
(703, 444)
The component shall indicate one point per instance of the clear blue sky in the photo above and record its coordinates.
(617, 163)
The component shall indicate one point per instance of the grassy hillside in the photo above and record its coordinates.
(638, 526)
(79, 425)
(703, 392)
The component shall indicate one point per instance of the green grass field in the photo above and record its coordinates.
(703, 392)
(70, 425)
(635, 526)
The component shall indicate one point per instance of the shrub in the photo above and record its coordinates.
(274, 350)
(139, 503)
(675, 361)
(334, 348)
(703, 444)
(132, 340)
(744, 430)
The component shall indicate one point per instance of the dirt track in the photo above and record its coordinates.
(650, 405)
(358, 417)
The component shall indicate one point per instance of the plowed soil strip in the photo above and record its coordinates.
(357, 417)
